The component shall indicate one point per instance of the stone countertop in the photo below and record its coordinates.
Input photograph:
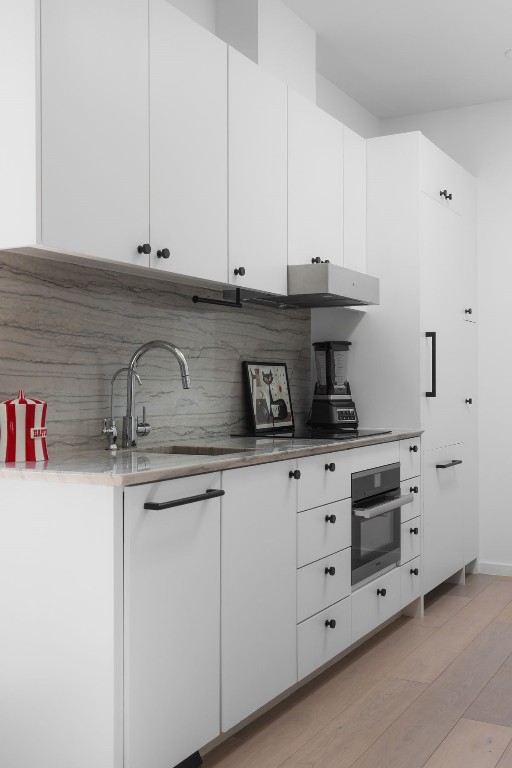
(132, 467)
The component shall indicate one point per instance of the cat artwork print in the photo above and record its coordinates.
(269, 395)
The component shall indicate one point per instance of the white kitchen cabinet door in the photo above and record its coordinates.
(440, 177)
(374, 603)
(315, 183)
(257, 123)
(258, 631)
(188, 148)
(95, 128)
(354, 200)
(444, 496)
(172, 622)
(323, 636)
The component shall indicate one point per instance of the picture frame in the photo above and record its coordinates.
(268, 396)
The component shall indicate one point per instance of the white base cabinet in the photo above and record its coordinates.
(258, 652)
(172, 621)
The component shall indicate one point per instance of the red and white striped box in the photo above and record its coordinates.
(23, 429)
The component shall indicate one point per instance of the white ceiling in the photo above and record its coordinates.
(401, 57)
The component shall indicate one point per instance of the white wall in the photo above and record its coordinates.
(480, 139)
(338, 104)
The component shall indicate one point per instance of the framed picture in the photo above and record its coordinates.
(268, 396)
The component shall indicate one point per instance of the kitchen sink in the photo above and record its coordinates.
(194, 450)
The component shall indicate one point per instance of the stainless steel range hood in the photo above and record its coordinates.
(320, 285)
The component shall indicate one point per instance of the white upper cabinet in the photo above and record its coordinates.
(315, 183)
(188, 148)
(95, 128)
(354, 201)
(257, 177)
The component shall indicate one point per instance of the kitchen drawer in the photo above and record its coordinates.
(413, 509)
(410, 581)
(324, 478)
(370, 607)
(410, 458)
(320, 534)
(318, 587)
(317, 642)
(410, 539)
(371, 456)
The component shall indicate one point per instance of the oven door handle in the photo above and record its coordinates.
(379, 509)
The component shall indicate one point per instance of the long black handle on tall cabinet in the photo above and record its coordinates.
(433, 391)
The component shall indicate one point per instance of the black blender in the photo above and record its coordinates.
(332, 407)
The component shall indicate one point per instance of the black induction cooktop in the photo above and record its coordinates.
(310, 433)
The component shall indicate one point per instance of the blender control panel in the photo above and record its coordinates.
(346, 414)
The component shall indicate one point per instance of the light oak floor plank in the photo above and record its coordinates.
(475, 583)
(494, 703)
(506, 760)
(437, 652)
(506, 614)
(439, 608)
(415, 735)
(347, 737)
(472, 745)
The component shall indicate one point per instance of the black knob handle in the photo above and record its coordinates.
(444, 193)
(469, 400)
(413, 448)
(295, 475)
(164, 253)
(381, 592)
(146, 248)
(240, 271)
(468, 311)
(316, 260)
(330, 571)
(414, 489)
(415, 531)
(330, 467)
(330, 519)
(331, 623)
(414, 571)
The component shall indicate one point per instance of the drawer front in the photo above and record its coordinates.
(410, 458)
(318, 537)
(371, 456)
(411, 581)
(414, 509)
(324, 478)
(318, 643)
(322, 583)
(410, 539)
(369, 609)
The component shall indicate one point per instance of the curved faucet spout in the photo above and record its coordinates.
(130, 430)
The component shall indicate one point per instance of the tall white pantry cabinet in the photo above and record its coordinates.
(415, 354)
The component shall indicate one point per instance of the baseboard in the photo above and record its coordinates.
(495, 569)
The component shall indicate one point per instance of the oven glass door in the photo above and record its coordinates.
(375, 542)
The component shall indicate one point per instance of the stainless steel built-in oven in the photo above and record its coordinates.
(376, 518)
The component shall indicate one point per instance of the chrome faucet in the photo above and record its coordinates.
(132, 428)
(110, 430)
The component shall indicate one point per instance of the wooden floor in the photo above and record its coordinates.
(434, 692)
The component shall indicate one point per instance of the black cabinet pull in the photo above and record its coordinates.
(449, 464)
(468, 311)
(295, 475)
(447, 195)
(330, 519)
(433, 386)
(330, 467)
(413, 448)
(187, 500)
(414, 489)
(164, 253)
(382, 592)
(240, 271)
(146, 248)
(469, 400)
(414, 572)
(330, 571)
(415, 531)
(331, 623)
(318, 260)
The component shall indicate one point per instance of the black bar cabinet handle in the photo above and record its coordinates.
(449, 464)
(187, 500)
(432, 335)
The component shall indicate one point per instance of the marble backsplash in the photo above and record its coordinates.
(65, 329)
